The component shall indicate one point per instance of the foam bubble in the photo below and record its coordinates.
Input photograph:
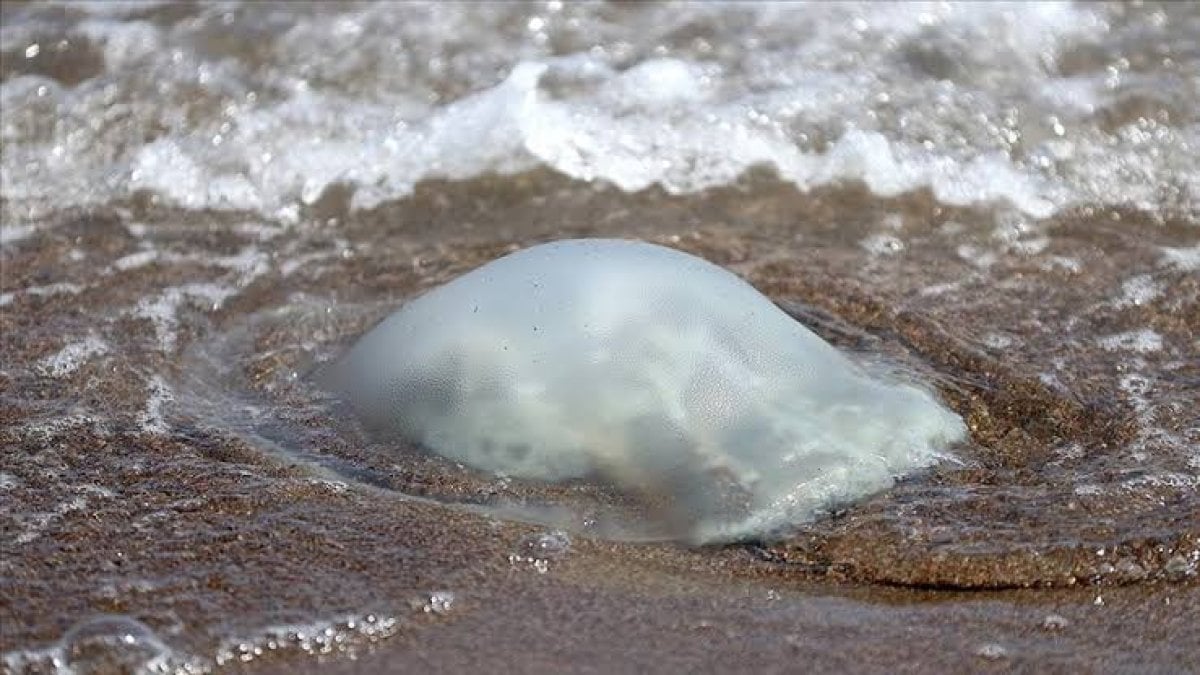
(113, 644)
(346, 636)
(104, 644)
(539, 550)
(436, 602)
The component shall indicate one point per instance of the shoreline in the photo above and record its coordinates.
(122, 500)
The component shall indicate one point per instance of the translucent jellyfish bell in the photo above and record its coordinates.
(647, 368)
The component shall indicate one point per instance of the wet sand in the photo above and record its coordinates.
(1000, 563)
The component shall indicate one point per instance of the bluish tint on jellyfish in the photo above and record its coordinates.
(651, 370)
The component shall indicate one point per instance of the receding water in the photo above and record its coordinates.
(203, 204)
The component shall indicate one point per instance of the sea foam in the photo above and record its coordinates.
(978, 103)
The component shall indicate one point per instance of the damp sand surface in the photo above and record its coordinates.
(165, 457)
(203, 203)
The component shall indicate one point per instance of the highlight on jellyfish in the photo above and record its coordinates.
(648, 369)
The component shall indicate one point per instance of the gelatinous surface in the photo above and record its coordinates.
(648, 368)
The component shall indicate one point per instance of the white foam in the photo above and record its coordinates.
(1185, 259)
(851, 101)
(41, 660)
(11, 233)
(57, 425)
(1151, 437)
(165, 168)
(1181, 481)
(61, 288)
(259, 231)
(977, 256)
(1139, 290)
(72, 356)
(882, 244)
(1143, 340)
(162, 310)
(289, 267)
(113, 8)
(940, 289)
(1065, 263)
(125, 43)
(158, 397)
(1030, 246)
(247, 264)
(136, 260)
(998, 341)
(657, 83)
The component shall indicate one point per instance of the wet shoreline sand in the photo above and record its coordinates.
(153, 511)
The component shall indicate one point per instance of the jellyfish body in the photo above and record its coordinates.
(648, 368)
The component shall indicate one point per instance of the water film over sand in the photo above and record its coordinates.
(202, 205)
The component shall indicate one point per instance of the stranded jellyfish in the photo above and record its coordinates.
(646, 368)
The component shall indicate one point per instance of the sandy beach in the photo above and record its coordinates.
(202, 205)
(203, 536)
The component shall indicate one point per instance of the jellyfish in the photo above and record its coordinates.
(651, 370)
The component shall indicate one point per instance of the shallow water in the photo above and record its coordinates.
(201, 204)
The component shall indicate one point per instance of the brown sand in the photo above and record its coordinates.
(998, 564)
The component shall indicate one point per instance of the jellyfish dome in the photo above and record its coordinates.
(647, 368)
